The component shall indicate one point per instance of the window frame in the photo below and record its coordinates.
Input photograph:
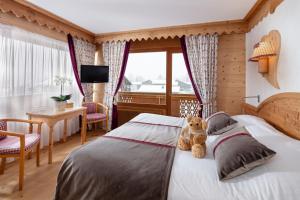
(168, 94)
(144, 51)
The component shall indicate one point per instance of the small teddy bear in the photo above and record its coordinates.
(193, 137)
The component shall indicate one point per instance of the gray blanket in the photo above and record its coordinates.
(116, 168)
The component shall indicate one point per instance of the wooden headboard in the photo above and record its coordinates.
(281, 110)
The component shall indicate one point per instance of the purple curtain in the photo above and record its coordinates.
(114, 123)
(74, 62)
(187, 64)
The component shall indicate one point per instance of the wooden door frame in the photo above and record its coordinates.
(169, 76)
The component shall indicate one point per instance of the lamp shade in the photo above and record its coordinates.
(262, 50)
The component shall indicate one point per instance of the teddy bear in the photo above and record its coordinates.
(193, 137)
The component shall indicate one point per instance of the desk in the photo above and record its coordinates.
(51, 117)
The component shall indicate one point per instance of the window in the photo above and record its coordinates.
(181, 83)
(29, 64)
(145, 72)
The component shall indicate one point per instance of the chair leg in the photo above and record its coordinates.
(29, 155)
(21, 170)
(106, 124)
(38, 154)
(2, 166)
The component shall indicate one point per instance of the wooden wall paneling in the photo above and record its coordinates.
(155, 45)
(231, 73)
(25, 15)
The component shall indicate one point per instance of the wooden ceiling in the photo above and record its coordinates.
(30, 17)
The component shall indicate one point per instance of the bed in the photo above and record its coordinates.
(176, 175)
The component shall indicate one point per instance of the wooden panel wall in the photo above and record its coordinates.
(231, 73)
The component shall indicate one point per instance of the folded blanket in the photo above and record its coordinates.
(114, 167)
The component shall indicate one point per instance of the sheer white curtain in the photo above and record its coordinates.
(28, 65)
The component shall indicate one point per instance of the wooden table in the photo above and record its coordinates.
(51, 117)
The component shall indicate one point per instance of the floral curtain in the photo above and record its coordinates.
(85, 55)
(113, 54)
(202, 58)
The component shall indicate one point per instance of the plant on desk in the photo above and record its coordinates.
(61, 101)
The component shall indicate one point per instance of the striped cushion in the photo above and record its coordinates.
(91, 107)
(11, 144)
(3, 127)
(95, 117)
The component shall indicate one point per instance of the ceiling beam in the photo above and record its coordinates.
(259, 11)
(223, 27)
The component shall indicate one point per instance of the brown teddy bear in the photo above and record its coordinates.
(193, 137)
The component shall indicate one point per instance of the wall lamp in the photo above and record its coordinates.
(266, 53)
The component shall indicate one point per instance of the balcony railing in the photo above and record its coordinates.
(142, 98)
(132, 99)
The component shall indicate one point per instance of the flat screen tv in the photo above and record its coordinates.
(94, 74)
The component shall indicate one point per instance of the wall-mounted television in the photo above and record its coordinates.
(94, 74)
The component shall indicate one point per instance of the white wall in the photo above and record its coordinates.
(286, 19)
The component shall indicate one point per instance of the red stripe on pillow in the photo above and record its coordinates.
(227, 138)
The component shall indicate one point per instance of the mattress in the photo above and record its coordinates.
(278, 179)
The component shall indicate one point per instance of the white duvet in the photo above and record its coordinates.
(279, 179)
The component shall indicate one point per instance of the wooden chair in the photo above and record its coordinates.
(94, 114)
(18, 145)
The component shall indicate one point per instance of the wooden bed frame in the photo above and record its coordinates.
(281, 110)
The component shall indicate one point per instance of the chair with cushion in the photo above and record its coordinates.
(18, 145)
(96, 113)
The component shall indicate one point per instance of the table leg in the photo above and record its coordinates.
(65, 130)
(50, 147)
(83, 128)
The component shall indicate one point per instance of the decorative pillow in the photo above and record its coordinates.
(237, 152)
(3, 127)
(219, 123)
